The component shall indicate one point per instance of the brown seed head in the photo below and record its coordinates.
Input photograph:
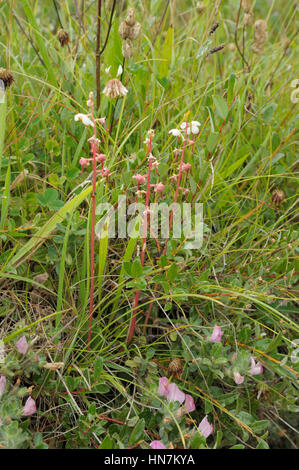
(127, 48)
(175, 367)
(278, 196)
(63, 37)
(6, 77)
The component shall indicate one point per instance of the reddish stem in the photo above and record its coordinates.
(145, 224)
(92, 235)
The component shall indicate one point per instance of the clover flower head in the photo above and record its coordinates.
(115, 89)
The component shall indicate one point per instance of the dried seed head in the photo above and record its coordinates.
(213, 29)
(134, 31)
(129, 28)
(248, 19)
(200, 6)
(6, 77)
(131, 17)
(278, 196)
(216, 49)
(63, 37)
(127, 48)
(175, 367)
(260, 36)
(123, 30)
(246, 4)
(115, 89)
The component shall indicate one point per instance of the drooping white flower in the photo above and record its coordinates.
(84, 119)
(193, 127)
(175, 132)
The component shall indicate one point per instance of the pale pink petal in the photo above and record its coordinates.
(22, 345)
(2, 384)
(189, 404)
(30, 407)
(157, 445)
(174, 394)
(163, 386)
(216, 334)
(205, 427)
(256, 367)
(238, 378)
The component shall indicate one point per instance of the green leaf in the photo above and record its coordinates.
(137, 432)
(98, 367)
(136, 270)
(221, 106)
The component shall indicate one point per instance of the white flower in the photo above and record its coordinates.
(193, 127)
(107, 70)
(84, 119)
(175, 132)
(119, 71)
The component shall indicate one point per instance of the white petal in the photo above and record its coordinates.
(175, 132)
(183, 125)
(195, 123)
(119, 71)
(107, 70)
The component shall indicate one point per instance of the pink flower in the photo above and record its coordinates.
(186, 167)
(256, 367)
(84, 162)
(216, 335)
(189, 404)
(159, 188)
(205, 427)
(163, 386)
(139, 178)
(238, 378)
(170, 390)
(2, 384)
(157, 445)
(174, 394)
(22, 345)
(100, 157)
(30, 407)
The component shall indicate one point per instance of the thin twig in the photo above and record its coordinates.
(236, 37)
(57, 12)
(98, 54)
(29, 39)
(109, 27)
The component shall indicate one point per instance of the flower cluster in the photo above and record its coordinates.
(172, 393)
(114, 88)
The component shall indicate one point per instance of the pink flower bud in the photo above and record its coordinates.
(216, 334)
(238, 378)
(22, 345)
(157, 445)
(205, 427)
(2, 384)
(30, 407)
